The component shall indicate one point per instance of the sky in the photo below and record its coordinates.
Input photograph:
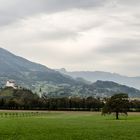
(89, 35)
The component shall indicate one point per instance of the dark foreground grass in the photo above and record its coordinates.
(69, 126)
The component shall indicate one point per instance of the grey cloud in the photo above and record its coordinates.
(61, 34)
(118, 46)
(56, 35)
(129, 2)
(10, 11)
(108, 40)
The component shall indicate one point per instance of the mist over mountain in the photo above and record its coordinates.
(93, 76)
(43, 80)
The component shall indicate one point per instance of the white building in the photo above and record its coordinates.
(11, 83)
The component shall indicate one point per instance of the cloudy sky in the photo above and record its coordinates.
(76, 34)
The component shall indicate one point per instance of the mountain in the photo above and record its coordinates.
(108, 88)
(97, 89)
(27, 73)
(93, 76)
(10, 93)
(43, 80)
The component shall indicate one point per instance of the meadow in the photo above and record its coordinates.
(29, 125)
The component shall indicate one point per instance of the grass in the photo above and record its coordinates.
(68, 126)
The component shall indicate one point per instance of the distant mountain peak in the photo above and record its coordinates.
(63, 70)
(93, 76)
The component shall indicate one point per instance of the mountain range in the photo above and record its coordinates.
(93, 76)
(97, 89)
(60, 83)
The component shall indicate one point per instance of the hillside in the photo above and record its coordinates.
(18, 94)
(27, 73)
(97, 89)
(108, 88)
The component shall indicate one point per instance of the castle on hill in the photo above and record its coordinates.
(11, 83)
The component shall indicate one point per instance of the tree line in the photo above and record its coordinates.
(24, 99)
(44, 103)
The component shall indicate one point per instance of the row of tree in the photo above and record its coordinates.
(74, 103)
(25, 99)
(44, 103)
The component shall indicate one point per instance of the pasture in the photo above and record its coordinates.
(33, 125)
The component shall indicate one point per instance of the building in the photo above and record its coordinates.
(11, 83)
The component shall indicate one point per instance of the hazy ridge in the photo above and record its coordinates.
(60, 84)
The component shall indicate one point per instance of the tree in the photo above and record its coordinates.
(117, 104)
(40, 90)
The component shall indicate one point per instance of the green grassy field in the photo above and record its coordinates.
(68, 126)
